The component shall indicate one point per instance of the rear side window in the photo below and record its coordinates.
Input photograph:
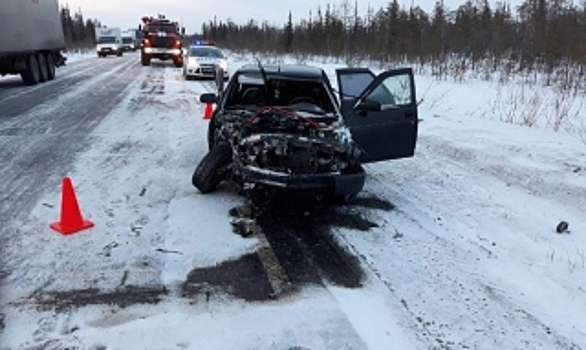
(354, 84)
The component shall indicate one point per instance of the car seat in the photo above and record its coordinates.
(252, 95)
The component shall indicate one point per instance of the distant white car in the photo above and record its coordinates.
(202, 59)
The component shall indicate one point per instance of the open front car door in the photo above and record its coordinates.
(380, 111)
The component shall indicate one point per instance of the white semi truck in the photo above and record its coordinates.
(109, 41)
(31, 39)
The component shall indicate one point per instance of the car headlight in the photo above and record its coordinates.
(97, 48)
(224, 65)
(114, 48)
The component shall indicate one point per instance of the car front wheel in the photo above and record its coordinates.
(209, 173)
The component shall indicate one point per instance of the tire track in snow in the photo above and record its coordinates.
(40, 146)
(440, 281)
(306, 251)
(25, 98)
(49, 282)
(538, 177)
(442, 299)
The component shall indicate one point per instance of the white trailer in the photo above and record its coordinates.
(31, 39)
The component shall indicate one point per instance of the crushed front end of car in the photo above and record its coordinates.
(279, 148)
(284, 148)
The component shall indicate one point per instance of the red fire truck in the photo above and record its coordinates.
(162, 39)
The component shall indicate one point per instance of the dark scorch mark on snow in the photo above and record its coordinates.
(243, 278)
(372, 203)
(121, 297)
(301, 234)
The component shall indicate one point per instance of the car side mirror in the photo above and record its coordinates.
(368, 106)
(182, 30)
(208, 98)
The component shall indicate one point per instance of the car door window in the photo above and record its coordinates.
(394, 91)
(353, 84)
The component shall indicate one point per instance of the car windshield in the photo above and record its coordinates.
(284, 91)
(127, 40)
(167, 28)
(106, 40)
(205, 52)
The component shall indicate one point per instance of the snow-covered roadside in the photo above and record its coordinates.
(514, 102)
(486, 197)
(486, 207)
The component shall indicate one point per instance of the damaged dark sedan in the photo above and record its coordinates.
(284, 128)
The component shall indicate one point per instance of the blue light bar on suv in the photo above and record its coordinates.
(204, 43)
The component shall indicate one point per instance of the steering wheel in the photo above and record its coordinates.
(303, 99)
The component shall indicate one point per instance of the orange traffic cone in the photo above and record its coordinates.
(208, 111)
(71, 220)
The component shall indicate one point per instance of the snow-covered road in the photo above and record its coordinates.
(454, 248)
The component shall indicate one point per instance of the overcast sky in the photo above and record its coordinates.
(127, 13)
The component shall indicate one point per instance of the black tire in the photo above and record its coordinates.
(208, 174)
(212, 127)
(43, 74)
(50, 66)
(146, 60)
(31, 74)
(120, 54)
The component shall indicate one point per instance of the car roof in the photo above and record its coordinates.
(286, 70)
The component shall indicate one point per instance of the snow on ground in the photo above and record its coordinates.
(79, 55)
(469, 257)
(487, 209)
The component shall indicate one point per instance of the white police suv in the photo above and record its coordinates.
(202, 59)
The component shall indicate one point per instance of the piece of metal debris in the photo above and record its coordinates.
(562, 227)
(161, 250)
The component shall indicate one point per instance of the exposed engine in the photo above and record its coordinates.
(289, 142)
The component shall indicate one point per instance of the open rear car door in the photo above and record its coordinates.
(380, 111)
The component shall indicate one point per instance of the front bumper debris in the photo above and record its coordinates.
(337, 183)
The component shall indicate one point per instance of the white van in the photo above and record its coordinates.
(129, 40)
(109, 41)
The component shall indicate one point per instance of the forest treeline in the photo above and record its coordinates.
(79, 33)
(538, 34)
